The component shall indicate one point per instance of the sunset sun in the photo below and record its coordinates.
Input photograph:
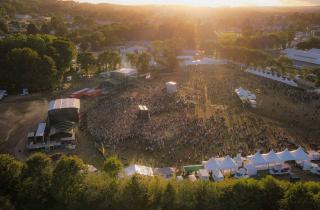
(210, 3)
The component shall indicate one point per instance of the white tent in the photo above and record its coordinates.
(171, 87)
(314, 155)
(271, 157)
(212, 165)
(228, 164)
(217, 175)
(251, 170)
(299, 154)
(238, 159)
(138, 169)
(285, 155)
(257, 159)
(203, 174)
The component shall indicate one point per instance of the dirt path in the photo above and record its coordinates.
(19, 116)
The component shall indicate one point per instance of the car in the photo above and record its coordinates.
(280, 170)
(294, 178)
(25, 92)
(315, 170)
(3, 93)
(241, 173)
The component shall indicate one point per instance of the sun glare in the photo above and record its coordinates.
(203, 3)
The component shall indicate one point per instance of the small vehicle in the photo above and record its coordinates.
(241, 173)
(3, 93)
(294, 178)
(25, 92)
(280, 170)
(315, 170)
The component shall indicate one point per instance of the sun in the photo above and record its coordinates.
(198, 3)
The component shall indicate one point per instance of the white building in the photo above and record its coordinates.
(138, 169)
(300, 58)
(171, 87)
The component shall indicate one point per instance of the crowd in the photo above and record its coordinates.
(176, 132)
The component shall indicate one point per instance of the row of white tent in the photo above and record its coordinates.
(269, 75)
(258, 160)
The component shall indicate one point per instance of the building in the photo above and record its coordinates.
(137, 169)
(60, 128)
(315, 34)
(61, 110)
(124, 73)
(143, 113)
(301, 58)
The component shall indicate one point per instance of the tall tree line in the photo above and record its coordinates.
(41, 183)
(36, 62)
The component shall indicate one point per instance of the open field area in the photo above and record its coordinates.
(204, 119)
(21, 114)
(18, 116)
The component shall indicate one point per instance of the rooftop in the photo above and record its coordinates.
(64, 103)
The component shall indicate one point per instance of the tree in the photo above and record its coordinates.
(138, 188)
(143, 62)
(298, 197)
(133, 58)
(68, 180)
(45, 28)
(36, 181)
(59, 26)
(168, 198)
(37, 61)
(23, 64)
(86, 60)
(272, 192)
(108, 60)
(10, 170)
(32, 29)
(64, 53)
(112, 166)
(4, 27)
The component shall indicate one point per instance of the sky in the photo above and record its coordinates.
(213, 3)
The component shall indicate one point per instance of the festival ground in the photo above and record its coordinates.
(204, 119)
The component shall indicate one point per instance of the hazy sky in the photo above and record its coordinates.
(215, 2)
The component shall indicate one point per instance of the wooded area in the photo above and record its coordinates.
(43, 183)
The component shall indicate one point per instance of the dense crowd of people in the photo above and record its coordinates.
(177, 132)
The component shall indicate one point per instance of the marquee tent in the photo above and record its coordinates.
(138, 169)
(285, 155)
(238, 159)
(257, 159)
(299, 154)
(228, 164)
(217, 175)
(271, 157)
(212, 165)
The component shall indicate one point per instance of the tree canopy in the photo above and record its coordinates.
(41, 183)
(36, 62)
